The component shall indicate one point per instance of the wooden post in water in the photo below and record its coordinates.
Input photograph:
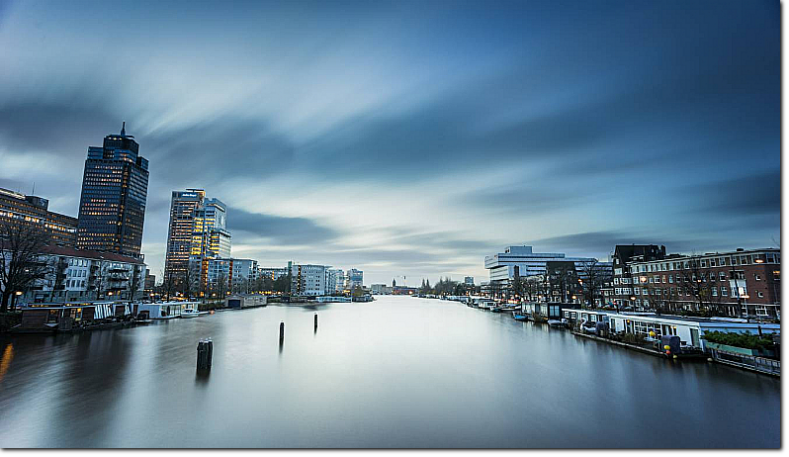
(205, 353)
(316, 321)
(281, 332)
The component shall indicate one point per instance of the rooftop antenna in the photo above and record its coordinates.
(34, 188)
(123, 129)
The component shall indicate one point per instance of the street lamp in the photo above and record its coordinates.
(17, 294)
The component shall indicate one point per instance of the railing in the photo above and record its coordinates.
(759, 364)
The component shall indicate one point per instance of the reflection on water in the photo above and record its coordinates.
(5, 359)
(398, 372)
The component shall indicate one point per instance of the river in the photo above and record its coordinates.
(397, 372)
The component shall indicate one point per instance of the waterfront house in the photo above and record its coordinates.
(166, 310)
(245, 301)
(51, 317)
(690, 330)
(330, 299)
(553, 310)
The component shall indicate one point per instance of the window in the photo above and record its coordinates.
(671, 279)
(760, 294)
(758, 277)
(724, 292)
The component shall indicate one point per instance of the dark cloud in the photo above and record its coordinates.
(754, 195)
(65, 125)
(442, 240)
(221, 147)
(601, 243)
(285, 230)
(600, 106)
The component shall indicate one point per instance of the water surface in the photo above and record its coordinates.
(398, 372)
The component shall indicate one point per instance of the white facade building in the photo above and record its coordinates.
(80, 275)
(273, 273)
(244, 274)
(524, 261)
(336, 281)
(309, 280)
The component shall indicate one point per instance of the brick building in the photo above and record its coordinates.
(742, 283)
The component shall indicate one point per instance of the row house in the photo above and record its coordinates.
(76, 275)
(741, 283)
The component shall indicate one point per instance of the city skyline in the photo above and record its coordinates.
(408, 161)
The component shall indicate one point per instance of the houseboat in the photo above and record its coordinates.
(690, 330)
(246, 301)
(52, 317)
(165, 310)
(330, 299)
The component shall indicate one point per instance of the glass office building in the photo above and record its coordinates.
(183, 207)
(114, 193)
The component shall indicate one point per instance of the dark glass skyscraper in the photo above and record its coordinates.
(114, 191)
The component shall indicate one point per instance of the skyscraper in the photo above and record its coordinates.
(114, 192)
(210, 237)
(183, 206)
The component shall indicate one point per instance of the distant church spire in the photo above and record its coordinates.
(123, 129)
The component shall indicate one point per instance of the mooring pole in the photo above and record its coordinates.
(205, 353)
(316, 321)
(281, 332)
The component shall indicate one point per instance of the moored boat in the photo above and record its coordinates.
(557, 322)
(190, 313)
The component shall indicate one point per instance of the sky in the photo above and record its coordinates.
(411, 139)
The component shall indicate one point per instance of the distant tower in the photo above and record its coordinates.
(394, 283)
(114, 194)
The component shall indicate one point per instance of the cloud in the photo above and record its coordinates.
(463, 124)
(753, 195)
(277, 229)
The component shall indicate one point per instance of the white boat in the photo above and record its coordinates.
(557, 322)
(190, 313)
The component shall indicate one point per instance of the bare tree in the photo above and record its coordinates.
(186, 283)
(221, 285)
(22, 263)
(97, 281)
(520, 287)
(700, 283)
(594, 276)
(169, 284)
(134, 282)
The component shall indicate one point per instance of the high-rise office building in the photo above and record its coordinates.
(33, 212)
(114, 193)
(210, 237)
(183, 206)
(198, 238)
(355, 278)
